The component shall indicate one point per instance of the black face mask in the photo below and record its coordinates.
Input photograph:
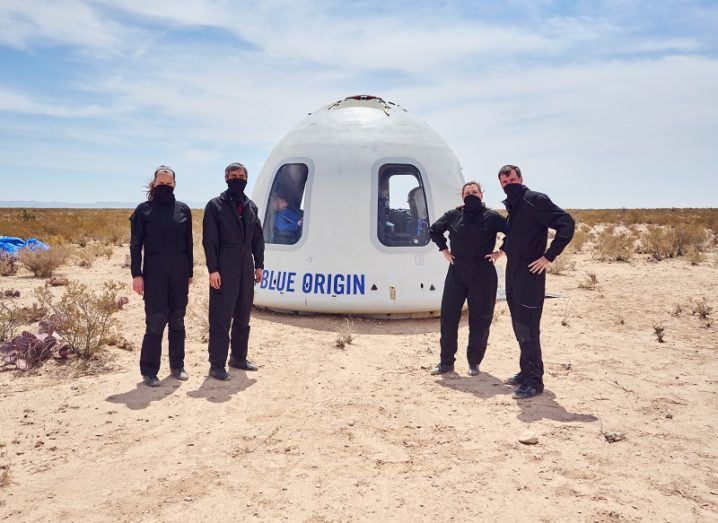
(164, 194)
(513, 190)
(472, 203)
(236, 187)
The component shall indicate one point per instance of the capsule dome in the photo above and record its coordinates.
(346, 200)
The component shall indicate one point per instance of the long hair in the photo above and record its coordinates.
(150, 190)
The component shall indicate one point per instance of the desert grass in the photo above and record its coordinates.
(612, 245)
(43, 263)
(706, 218)
(8, 265)
(563, 264)
(608, 234)
(86, 256)
(77, 226)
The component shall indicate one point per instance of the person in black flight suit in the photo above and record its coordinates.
(471, 275)
(163, 226)
(234, 247)
(531, 215)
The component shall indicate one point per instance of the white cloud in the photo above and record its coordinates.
(563, 99)
(14, 102)
(39, 24)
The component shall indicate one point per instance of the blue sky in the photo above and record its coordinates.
(601, 103)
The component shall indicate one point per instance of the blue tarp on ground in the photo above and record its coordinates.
(11, 245)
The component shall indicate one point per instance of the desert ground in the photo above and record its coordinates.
(627, 426)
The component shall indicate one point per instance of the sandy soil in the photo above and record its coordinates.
(365, 433)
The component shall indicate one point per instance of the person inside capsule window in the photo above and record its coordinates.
(402, 215)
(288, 220)
(284, 218)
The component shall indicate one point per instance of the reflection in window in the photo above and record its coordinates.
(403, 219)
(285, 215)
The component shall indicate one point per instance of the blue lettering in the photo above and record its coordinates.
(281, 281)
(319, 283)
(358, 284)
(290, 281)
(307, 283)
(271, 281)
(265, 279)
(339, 284)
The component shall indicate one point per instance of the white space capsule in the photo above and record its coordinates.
(346, 200)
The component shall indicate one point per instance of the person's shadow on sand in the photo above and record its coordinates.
(483, 386)
(217, 391)
(543, 406)
(142, 396)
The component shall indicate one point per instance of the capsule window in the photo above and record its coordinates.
(284, 219)
(402, 215)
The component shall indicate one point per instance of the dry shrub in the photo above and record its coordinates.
(689, 235)
(8, 265)
(197, 312)
(658, 242)
(345, 336)
(82, 317)
(590, 282)
(42, 263)
(118, 340)
(562, 264)
(86, 256)
(703, 311)
(614, 246)
(579, 238)
(32, 314)
(669, 242)
(677, 310)
(57, 281)
(9, 321)
(54, 240)
(694, 256)
(4, 468)
(660, 332)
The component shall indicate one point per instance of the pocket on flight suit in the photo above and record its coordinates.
(529, 288)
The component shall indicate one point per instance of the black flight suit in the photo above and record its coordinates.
(531, 215)
(471, 277)
(165, 231)
(234, 247)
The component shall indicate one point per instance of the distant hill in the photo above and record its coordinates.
(32, 204)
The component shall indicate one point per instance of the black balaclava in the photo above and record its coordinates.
(513, 192)
(236, 188)
(513, 189)
(164, 194)
(473, 204)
